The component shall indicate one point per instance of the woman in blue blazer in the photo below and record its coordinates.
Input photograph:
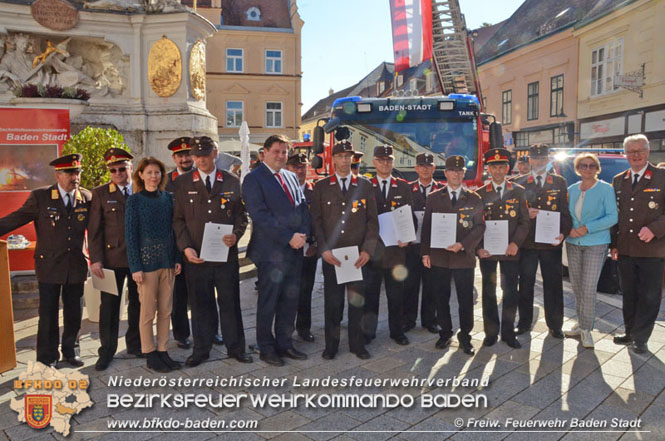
(593, 206)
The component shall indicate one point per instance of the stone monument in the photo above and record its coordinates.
(142, 62)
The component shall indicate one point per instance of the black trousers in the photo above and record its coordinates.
(509, 278)
(552, 272)
(334, 310)
(304, 317)
(374, 274)
(179, 317)
(109, 317)
(417, 273)
(48, 335)
(642, 284)
(203, 280)
(279, 290)
(464, 286)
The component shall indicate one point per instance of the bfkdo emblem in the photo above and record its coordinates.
(38, 410)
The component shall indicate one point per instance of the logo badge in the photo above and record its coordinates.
(38, 410)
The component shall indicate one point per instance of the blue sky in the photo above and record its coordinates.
(343, 40)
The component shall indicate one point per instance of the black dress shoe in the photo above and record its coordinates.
(639, 348)
(328, 355)
(490, 340)
(408, 327)
(271, 358)
(102, 364)
(401, 340)
(243, 357)
(196, 359)
(434, 329)
(442, 343)
(136, 353)
(556, 333)
(168, 361)
(293, 354)
(622, 339)
(363, 354)
(155, 363)
(467, 347)
(74, 361)
(184, 344)
(217, 340)
(512, 342)
(520, 331)
(306, 336)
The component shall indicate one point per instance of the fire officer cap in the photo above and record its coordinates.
(523, 158)
(355, 161)
(384, 151)
(425, 159)
(497, 156)
(115, 155)
(68, 163)
(203, 145)
(297, 158)
(343, 146)
(539, 150)
(455, 162)
(180, 145)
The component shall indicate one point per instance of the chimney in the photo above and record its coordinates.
(330, 92)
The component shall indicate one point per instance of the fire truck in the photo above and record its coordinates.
(452, 124)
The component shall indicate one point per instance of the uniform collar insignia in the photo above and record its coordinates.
(627, 174)
(415, 186)
(549, 179)
(220, 176)
(196, 177)
(393, 182)
(175, 174)
(489, 187)
(112, 188)
(647, 174)
(530, 179)
(54, 194)
(354, 179)
(333, 180)
(309, 186)
(509, 186)
(78, 195)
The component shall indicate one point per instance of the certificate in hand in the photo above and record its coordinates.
(397, 225)
(347, 272)
(496, 237)
(213, 248)
(420, 215)
(547, 226)
(107, 284)
(444, 230)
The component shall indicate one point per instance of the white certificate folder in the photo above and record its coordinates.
(213, 248)
(397, 225)
(548, 226)
(496, 237)
(347, 271)
(444, 230)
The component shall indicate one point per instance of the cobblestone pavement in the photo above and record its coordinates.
(546, 380)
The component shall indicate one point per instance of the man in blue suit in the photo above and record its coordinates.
(280, 227)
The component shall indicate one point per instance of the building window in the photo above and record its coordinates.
(380, 87)
(234, 60)
(532, 101)
(606, 63)
(399, 80)
(413, 84)
(274, 62)
(521, 140)
(273, 114)
(429, 82)
(507, 106)
(233, 113)
(556, 95)
(561, 137)
(363, 143)
(253, 14)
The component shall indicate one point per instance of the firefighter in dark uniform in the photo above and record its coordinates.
(106, 244)
(638, 242)
(60, 216)
(420, 189)
(344, 215)
(458, 261)
(297, 163)
(544, 191)
(502, 201)
(523, 166)
(387, 263)
(209, 195)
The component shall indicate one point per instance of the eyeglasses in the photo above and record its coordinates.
(118, 170)
(592, 166)
(635, 152)
(384, 160)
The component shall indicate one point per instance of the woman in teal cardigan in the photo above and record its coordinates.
(593, 206)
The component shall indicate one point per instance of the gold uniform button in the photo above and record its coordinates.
(209, 201)
(69, 238)
(343, 203)
(631, 208)
(630, 220)
(209, 211)
(342, 221)
(342, 231)
(343, 213)
(631, 231)
(108, 246)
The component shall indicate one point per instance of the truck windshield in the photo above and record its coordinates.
(440, 137)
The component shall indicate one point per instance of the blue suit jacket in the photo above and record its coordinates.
(274, 219)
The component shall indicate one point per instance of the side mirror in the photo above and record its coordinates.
(317, 162)
(317, 140)
(496, 135)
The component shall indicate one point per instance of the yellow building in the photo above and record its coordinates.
(620, 44)
(253, 67)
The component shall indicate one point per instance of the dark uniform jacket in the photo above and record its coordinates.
(399, 194)
(194, 207)
(106, 227)
(552, 197)
(340, 220)
(59, 255)
(470, 228)
(642, 207)
(419, 205)
(511, 207)
(170, 180)
(308, 191)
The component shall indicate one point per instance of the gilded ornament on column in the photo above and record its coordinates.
(197, 70)
(164, 67)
